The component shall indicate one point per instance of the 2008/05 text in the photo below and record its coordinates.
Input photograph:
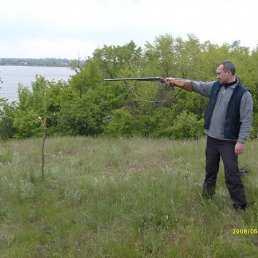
(245, 231)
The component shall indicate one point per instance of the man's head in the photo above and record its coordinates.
(225, 72)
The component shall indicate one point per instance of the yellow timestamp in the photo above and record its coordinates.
(245, 231)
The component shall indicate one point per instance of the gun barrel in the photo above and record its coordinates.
(159, 79)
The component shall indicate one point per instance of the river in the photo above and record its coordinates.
(12, 76)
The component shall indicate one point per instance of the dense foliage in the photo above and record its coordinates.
(86, 105)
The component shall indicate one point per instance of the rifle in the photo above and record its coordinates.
(148, 79)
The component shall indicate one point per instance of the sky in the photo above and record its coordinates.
(75, 28)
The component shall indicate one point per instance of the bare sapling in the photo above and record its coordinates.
(43, 123)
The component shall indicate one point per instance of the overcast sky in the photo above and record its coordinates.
(75, 28)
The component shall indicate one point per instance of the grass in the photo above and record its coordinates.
(119, 198)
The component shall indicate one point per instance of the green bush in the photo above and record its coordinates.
(186, 125)
(121, 123)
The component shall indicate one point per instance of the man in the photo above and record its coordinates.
(227, 124)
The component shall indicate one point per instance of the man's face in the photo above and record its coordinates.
(222, 76)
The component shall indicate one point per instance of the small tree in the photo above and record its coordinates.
(43, 123)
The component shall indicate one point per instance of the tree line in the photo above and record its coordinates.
(56, 62)
(86, 105)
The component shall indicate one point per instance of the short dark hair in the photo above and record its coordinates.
(228, 66)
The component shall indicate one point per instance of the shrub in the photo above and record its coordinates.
(187, 125)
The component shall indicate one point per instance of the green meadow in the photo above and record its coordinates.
(105, 197)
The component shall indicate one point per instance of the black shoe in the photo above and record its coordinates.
(238, 207)
(208, 192)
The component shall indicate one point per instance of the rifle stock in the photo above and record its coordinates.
(149, 79)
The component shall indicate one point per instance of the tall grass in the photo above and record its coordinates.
(119, 198)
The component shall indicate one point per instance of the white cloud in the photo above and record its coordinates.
(43, 47)
(64, 28)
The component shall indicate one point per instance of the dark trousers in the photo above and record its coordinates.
(216, 149)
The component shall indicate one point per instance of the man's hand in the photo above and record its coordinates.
(183, 84)
(169, 81)
(239, 148)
